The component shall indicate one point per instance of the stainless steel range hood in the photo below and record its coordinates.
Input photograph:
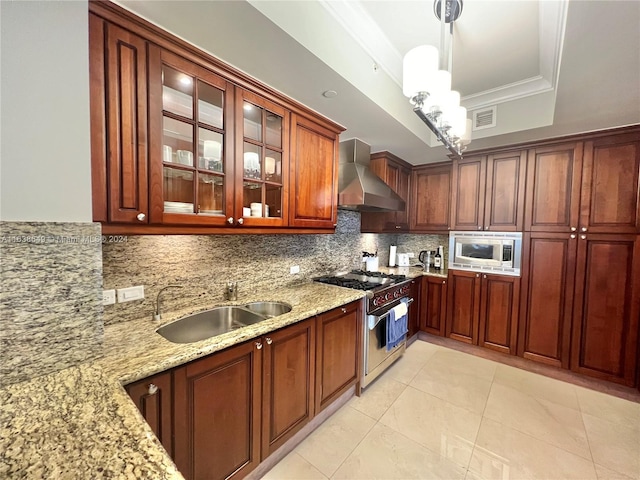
(359, 188)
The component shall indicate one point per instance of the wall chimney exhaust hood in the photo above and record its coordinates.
(359, 188)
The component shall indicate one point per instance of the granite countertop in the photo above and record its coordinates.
(414, 271)
(80, 422)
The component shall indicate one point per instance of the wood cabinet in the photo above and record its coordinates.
(314, 174)
(183, 143)
(413, 318)
(607, 307)
(488, 192)
(431, 198)
(483, 309)
(433, 305)
(288, 383)
(338, 352)
(218, 403)
(548, 278)
(154, 398)
(610, 200)
(119, 106)
(396, 173)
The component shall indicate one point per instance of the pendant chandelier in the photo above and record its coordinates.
(427, 84)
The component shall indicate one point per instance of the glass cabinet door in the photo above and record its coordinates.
(264, 140)
(195, 175)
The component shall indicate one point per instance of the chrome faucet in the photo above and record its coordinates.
(157, 314)
(231, 291)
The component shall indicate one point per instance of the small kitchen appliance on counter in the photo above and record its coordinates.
(384, 292)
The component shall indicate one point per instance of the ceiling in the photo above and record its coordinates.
(545, 68)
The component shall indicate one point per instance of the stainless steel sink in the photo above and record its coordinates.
(219, 320)
(269, 309)
(209, 323)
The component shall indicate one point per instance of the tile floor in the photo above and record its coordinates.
(440, 413)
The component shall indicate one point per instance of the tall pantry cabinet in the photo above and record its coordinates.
(580, 298)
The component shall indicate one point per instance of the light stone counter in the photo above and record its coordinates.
(80, 423)
(414, 272)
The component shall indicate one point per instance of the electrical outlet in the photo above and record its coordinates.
(108, 297)
(130, 293)
(294, 269)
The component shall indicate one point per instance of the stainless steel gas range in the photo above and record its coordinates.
(385, 292)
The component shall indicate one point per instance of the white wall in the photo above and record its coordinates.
(45, 171)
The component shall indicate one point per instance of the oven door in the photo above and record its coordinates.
(376, 337)
(478, 251)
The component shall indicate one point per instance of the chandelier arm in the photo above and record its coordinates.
(453, 148)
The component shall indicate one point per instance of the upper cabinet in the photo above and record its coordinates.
(182, 143)
(397, 174)
(431, 198)
(488, 192)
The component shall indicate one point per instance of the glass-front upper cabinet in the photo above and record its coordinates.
(197, 173)
(264, 161)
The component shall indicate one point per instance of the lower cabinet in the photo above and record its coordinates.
(483, 309)
(221, 415)
(339, 348)
(153, 397)
(433, 305)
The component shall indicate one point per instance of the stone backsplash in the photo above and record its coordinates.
(204, 263)
(50, 297)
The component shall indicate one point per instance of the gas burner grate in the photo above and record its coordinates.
(347, 282)
(378, 274)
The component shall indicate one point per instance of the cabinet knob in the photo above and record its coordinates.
(240, 221)
(484, 276)
(573, 229)
(486, 228)
(477, 276)
(573, 235)
(583, 229)
(230, 220)
(583, 237)
(152, 389)
(444, 282)
(479, 228)
(259, 345)
(268, 340)
(141, 217)
(344, 310)
(335, 225)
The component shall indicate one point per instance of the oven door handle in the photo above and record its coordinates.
(373, 320)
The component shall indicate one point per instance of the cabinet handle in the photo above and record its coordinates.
(344, 310)
(573, 229)
(268, 340)
(230, 220)
(259, 345)
(583, 229)
(152, 389)
(141, 217)
(583, 237)
(573, 235)
(240, 221)
(397, 226)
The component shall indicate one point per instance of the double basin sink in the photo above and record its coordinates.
(219, 320)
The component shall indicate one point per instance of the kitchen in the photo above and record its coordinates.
(79, 272)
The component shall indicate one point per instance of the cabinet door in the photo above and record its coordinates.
(191, 151)
(217, 414)
(548, 275)
(127, 130)
(504, 205)
(339, 340)
(262, 140)
(433, 305)
(431, 199)
(402, 189)
(499, 304)
(414, 307)
(463, 309)
(288, 383)
(469, 177)
(554, 176)
(153, 396)
(607, 307)
(610, 191)
(314, 175)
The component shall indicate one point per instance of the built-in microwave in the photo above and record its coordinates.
(493, 252)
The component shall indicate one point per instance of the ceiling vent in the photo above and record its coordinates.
(485, 118)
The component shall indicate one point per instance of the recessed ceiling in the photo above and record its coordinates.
(549, 67)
